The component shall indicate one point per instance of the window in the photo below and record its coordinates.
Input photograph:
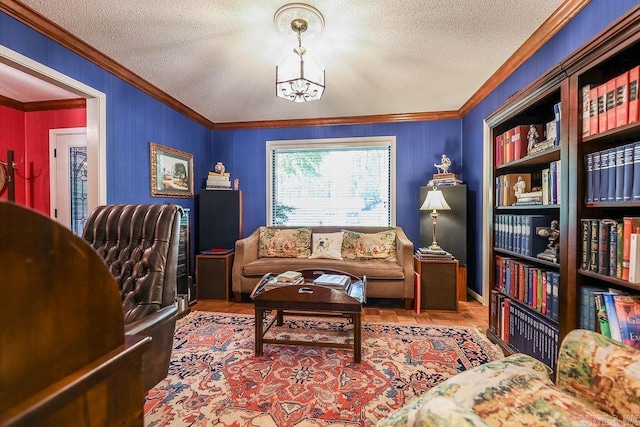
(331, 182)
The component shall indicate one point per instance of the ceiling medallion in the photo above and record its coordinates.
(299, 75)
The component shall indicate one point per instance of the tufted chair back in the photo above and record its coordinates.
(139, 244)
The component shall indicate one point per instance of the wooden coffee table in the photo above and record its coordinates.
(309, 299)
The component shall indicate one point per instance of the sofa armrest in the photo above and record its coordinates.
(601, 371)
(404, 254)
(246, 252)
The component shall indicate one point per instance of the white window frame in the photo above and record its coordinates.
(385, 141)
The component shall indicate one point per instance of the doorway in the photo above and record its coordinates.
(68, 168)
(96, 107)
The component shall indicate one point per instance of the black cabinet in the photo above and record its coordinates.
(451, 227)
(220, 219)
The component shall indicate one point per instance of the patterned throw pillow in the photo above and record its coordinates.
(327, 245)
(277, 242)
(360, 246)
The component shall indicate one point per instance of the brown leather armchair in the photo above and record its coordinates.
(139, 244)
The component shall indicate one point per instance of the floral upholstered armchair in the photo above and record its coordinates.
(598, 383)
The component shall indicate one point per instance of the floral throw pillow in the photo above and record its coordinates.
(360, 246)
(277, 242)
(326, 245)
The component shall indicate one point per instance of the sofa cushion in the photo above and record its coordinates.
(277, 242)
(326, 245)
(362, 246)
(373, 269)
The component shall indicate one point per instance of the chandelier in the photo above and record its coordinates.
(299, 74)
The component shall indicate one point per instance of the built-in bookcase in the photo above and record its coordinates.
(525, 289)
(534, 301)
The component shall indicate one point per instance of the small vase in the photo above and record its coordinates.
(219, 168)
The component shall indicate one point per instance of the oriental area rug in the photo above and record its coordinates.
(216, 380)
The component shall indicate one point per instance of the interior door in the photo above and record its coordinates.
(68, 173)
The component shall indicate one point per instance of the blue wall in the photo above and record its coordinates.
(418, 146)
(592, 19)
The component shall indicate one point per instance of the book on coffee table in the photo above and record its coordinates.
(334, 281)
(289, 276)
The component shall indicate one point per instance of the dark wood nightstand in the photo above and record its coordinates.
(213, 276)
(436, 284)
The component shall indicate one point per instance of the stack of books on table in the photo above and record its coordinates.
(425, 253)
(218, 181)
(340, 282)
(287, 278)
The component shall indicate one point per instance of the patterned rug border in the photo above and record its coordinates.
(493, 350)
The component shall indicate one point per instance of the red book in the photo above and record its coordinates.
(622, 99)
(629, 224)
(519, 141)
(498, 150)
(602, 112)
(610, 103)
(634, 76)
(508, 146)
(593, 110)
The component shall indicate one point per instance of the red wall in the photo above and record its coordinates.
(29, 139)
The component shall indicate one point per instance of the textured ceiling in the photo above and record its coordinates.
(23, 87)
(381, 57)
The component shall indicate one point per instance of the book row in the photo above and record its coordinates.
(523, 331)
(538, 188)
(613, 175)
(536, 287)
(524, 140)
(611, 104)
(521, 233)
(611, 313)
(611, 247)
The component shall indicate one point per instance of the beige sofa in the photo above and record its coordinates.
(385, 279)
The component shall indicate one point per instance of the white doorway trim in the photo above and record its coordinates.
(96, 111)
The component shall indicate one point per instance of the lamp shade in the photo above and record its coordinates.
(299, 78)
(434, 201)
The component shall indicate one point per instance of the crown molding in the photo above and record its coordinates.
(548, 29)
(567, 11)
(62, 104)
(332, 121)
(11, 103)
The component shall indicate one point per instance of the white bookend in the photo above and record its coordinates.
(634, 258)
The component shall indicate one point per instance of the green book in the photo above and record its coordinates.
(601, 311)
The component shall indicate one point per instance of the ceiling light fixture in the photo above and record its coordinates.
(299, 74)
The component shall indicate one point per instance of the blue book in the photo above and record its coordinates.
(614, 326)
(635, 194)
(596, 176)
(589, 168)
(558, 117)
(549, 292)
(555, 289)
(604, 176)
(619, 186)
(628, 173)
(611, 189)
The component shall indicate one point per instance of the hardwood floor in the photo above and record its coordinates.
(470, 313)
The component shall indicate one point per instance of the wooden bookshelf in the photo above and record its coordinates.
(614, 50)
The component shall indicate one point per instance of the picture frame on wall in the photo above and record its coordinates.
(171, 172)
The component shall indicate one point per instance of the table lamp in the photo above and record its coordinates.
(435, 201)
